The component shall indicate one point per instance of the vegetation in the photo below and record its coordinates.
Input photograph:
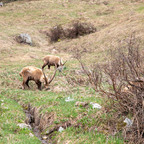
(115, 21)
(11, 115)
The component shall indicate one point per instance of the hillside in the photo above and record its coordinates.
(114, 21)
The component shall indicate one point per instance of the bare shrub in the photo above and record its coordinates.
(8, 1)
(124, 70)
(73, 30)
(79, 29)
(55, 33)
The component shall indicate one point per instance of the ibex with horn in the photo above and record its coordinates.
(35, 74)
(51, 60)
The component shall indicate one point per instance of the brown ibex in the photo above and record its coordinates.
(33, 73)
(51, 60)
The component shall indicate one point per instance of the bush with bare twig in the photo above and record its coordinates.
(74, 30)
(121, 81)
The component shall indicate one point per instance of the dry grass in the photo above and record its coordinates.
(34, 16)
(113, 21)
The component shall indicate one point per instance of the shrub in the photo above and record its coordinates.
(74, 30)
(124, 81)
(8, 1)
(79, 29)
(55, 33)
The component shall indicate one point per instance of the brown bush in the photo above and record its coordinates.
(79, 29)
(126, 68)
(74, 30)
(55, 33)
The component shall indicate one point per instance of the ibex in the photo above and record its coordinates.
(52, 60)
(33, 73)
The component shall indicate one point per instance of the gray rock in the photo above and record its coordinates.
(1, 4)
(24, 38)
(24, 126)
(44, 137)
(95, 105)
(68, 99)
(60, 68)
(60, 129)
(31, 135)
(54, 51)
(128, 122)
(2, 104)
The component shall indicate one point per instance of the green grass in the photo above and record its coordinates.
(33, 17)
(80, 136)
(52, 102)
(140, 9)
(12, 114)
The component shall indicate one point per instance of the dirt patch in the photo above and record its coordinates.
(41, 122)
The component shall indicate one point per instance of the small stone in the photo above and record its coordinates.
(24, 126)
(68, 99)
(128, 122)
(54, 51)
(83, 104)
(47, 132)
(60, 129)
(60, 68)
(31, 135)
(95, 105)
(2, 100)
(1, 4)
(44, 137)
(5, 107)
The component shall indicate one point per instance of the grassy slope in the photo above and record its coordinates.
(12, 114)
(114, 21)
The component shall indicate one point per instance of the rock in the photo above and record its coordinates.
(44, 137)
(31, 135)
(68, 99)
(2, 100)
(83, 104)
(128, 122)
(24, 38)
(1, 4)
(24, 126)
(2, 104)
(47, 132)
(60, 129)
(6, 108)
(95, 105)
(54, 51)
(60, 68)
